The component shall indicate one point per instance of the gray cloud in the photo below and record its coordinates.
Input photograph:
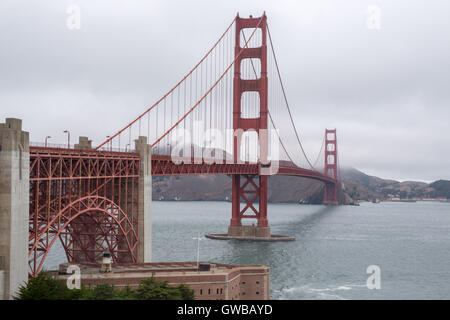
(386, 91)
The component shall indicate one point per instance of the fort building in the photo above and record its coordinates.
(210, 281)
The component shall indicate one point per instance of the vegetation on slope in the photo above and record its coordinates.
(46, 287)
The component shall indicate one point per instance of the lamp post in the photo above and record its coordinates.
(68, 138)
(46, 138)
(110, 143)
(126, 147)
(198, 248)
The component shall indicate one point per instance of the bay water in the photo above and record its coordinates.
(409, 243)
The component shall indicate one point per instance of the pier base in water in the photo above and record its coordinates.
(249, 231)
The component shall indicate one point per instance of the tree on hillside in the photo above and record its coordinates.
(150, 289)
(44, 287)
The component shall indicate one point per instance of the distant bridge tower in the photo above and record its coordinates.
(248, 188)
(330, 169)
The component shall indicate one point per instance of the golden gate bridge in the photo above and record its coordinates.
(228, 115)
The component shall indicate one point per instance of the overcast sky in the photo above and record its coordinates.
(386, 90)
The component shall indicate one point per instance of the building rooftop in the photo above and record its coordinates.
(184, 268)
(209, 280)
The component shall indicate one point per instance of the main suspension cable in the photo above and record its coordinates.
(320, 152)
(285, 98)
(210, 89)
(172, 90)
(268, 111)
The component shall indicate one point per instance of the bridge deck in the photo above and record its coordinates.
(163, 165)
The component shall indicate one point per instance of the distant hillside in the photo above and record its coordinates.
(218, 187)
(195, 187)
(441, 188)
(361, 186)
(356, 185)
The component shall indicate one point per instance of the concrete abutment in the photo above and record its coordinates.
(14, 206)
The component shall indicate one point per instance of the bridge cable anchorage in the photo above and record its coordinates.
(270, 115)
(210, 89)
(285, 98)
(170, 91)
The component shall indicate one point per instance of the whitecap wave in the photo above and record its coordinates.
(308, 292)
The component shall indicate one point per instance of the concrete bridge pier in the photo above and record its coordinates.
(14, 206)
(145, 200)
(83, 144)
(143, 211)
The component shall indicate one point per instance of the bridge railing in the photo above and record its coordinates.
(51, 145)
(116, 149)
(72, 147)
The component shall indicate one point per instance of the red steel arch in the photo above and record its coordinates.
(89, 200)
(120, 231)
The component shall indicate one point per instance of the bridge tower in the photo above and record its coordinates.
(330, 168)
(249, 189)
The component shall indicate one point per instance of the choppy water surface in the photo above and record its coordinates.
(410, 242)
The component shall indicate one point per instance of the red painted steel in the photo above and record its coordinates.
(87, 199)
(164, 166)
(259, 85)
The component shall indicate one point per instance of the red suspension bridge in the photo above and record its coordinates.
(228, 115)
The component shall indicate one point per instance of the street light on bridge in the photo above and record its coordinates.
(46, 138)
(68, 138)
(110, 143)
